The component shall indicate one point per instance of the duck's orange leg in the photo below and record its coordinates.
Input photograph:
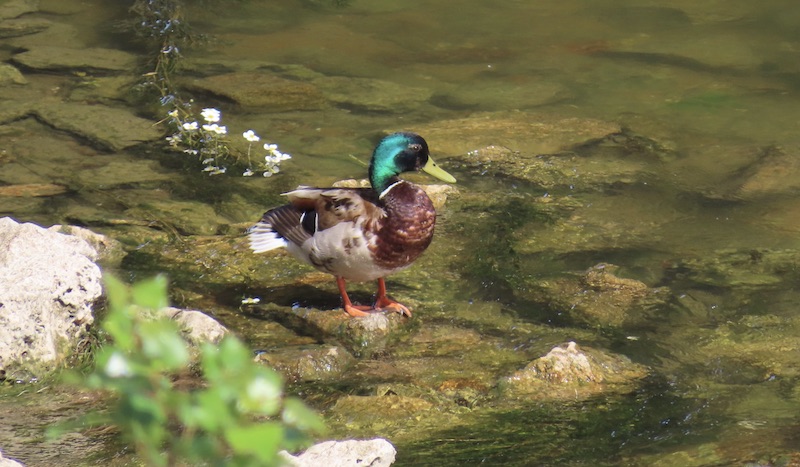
(349, 308)
(383, 302)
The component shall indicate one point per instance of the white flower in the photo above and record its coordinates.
(221, 130)
(212, 128)
(208, 161)
(247, 173)
(192, 152)
(211, 115)
(267, 173)
(174, 140)
(173, 113)
(250, 301)
(270, 147)
(117, 366)
(251, 136)
(189, 126)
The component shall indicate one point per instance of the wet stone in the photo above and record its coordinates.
(364, 337)
(254, 89)
(123, 172)
(22, 27)
(108, 127)
(86, 59)
(17, 8)
(523, 132)
(570, 371)
(371, 94)
(776, 172)
(308, 362)
(730, 268)
(10, 75)
(599, 297)
(56, 33)
(188, 217)
(494, 95)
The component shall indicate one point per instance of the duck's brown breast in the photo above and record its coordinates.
(407, 229)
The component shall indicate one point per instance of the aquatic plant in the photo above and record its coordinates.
(160, 23)
(208, 141)
(235, 413)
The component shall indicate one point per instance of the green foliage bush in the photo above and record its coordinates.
(235, 414)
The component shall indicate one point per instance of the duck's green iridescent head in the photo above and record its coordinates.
(398, 153)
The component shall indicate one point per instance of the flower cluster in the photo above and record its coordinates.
(208, 141)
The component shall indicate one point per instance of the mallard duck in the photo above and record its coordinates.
(360, 234)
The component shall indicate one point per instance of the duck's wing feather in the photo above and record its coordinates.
(313, 210)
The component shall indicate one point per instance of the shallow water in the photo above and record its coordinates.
(712, 86)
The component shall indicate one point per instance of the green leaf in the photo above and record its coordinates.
(261, 440)
(151, 293)
(297, 414)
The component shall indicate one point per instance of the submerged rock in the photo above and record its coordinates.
(732, 268)
(258, 89)
(523, 132)
(371, 94)
(22, 27)
(572, 372)
(48, 285)
(108, 127)
(309, 362)
(17, 8)
(10, 75)
(48, 58)
(776, 172)
(599, 297)
(376, 452)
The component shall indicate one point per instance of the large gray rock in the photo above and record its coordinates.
(48, 284)
(351, 453)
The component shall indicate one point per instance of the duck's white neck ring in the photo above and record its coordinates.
(383, 193)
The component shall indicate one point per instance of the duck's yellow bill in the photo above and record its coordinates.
(432, 169)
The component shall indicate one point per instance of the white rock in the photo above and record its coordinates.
(6, 462)
(48, 285)
(197, 326)
(376, 452)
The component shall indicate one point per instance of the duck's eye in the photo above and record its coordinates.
(415, 147)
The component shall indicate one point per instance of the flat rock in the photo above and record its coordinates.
(499, 95)
(262, 89)
(121, 171)
(108, 127)
(371, 94)
(10, 75)
(22, 27)
(85, 59)
(524, 132)
(32, 190)
(17, 8)
(376, 452)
